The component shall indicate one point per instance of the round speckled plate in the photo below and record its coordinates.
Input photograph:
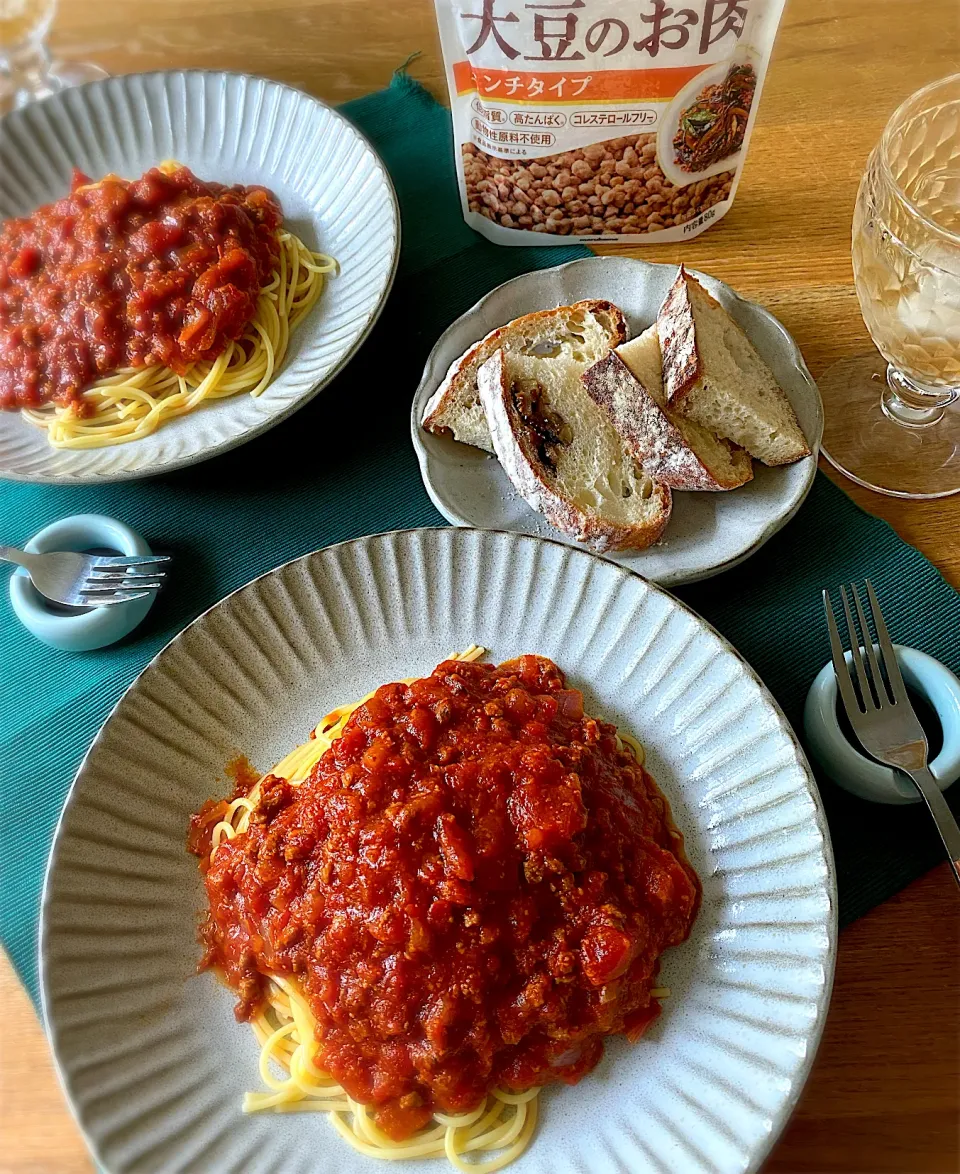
(707, 532)
(335, 194)
(151, 1057)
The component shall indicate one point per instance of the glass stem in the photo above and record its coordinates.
(25, 71)
(910, 404)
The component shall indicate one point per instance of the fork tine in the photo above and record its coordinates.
(120, 575)
(868, 699)
(840, 667)
(894, 675)
(136, 560)
(879, 686)
(114, 585)
(107, 600)
(116, 588)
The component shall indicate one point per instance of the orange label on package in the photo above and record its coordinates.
(609, 85)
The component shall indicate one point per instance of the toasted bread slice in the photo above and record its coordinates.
(672, 449)
(713, 375)
(588, 329)
(563, 455)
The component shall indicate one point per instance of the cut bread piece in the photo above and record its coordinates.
(585, 331)
(563, 455)
(672, 449)
(713, 375)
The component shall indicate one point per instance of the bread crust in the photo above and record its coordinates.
(678, 340)
(458, 373)
(648, 433)
(683, 370)
(533, 482)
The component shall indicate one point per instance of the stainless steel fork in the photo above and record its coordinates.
(880, 711)
(89, 580)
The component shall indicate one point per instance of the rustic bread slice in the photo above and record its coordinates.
(588, 328)
(677, 451)
(713, 375)
(564, 457)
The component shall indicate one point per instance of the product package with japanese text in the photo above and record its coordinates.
(599, 119)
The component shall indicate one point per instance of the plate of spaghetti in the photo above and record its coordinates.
(704, 130)
(458, 847)
(185, 259)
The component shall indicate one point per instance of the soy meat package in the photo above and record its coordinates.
(599, 119)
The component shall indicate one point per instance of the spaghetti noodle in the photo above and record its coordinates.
(500, 1127)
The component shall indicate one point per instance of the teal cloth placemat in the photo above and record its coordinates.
(343, 466)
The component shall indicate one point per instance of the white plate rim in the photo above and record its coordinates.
(230, 443)
(823, 999)
(432, 377)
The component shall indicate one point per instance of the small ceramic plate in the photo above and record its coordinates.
(708, 532)
(335, 194)
(152, 1059)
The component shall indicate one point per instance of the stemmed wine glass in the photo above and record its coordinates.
(893, 418)
(26, 70)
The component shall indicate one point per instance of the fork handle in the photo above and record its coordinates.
(10, 554)
(942, 815)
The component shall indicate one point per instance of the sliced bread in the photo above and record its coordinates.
(564, 456)
(713, 375)
(627, 385)
(585, 331)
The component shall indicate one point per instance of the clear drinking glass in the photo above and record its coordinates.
(893, 418)
(26, 70)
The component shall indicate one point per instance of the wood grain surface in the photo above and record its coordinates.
(883, 1097)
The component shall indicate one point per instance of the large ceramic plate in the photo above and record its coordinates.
(707, 532)
(151, 1057)
(335, 193)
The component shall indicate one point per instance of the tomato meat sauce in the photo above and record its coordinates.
(165, 269)
(472, 889)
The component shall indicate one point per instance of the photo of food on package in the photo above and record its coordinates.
(599, 120)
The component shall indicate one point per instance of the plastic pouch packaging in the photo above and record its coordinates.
(612, 122)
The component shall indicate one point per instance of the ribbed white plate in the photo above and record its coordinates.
(335, 192)
(149, 1052)
(707, 532)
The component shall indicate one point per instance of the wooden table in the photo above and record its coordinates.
(883, 1096)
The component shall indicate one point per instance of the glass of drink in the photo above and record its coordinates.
(893, 417)
(26, 70)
